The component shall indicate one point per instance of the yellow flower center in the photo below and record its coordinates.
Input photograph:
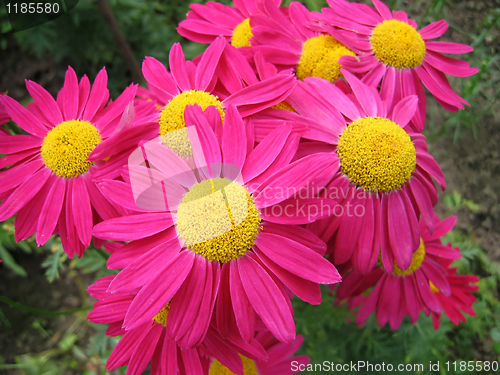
(172, 123)
(320, 56)
(65, 148)
(416, 262)
(434, 288)
(242, 34)
(398, 44)
(161, 317)
(217, 219)
(249, 367)
(376, 154)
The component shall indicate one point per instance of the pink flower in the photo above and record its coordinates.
(244, 263)
(49, 186)
(288, 42)
(384, 175)
(205, 23)
(392, 50)
(428, 284)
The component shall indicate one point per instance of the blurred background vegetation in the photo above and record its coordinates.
(43, 303)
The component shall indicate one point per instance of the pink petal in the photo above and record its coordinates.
(97, 95)
(434, 30)
(208, 63)
(429, 164)
(129, 228)
(83, 95)
(224, 306)
(448, 47)
(25, 119)
(364, 94)
(233, 138)
(124, 349)
(51, 210)
(45, 102)
(156, 74)
(383, 10)
(266, 298)
(399, 231)
(82, 211)
(178, 68)
(297, 234)
(159, 290)
(243, 310)
(14, 176)
(70, 95)
(144, 350)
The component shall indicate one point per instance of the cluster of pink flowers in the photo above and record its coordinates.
(291, 147)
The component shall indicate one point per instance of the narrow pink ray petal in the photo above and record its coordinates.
(25, 119)
(178, 68)
(405, 110)
(298, 211)
(297, 234)
(444, 226)
(421, 200)
(129, 228)
(388, 86)
(243, 310)
(370, 303)
(45, 102)
(400, 15)
(98, 93)
(437, 276)
(429, 164)
(448, 47)
(156, 74)
(208, 63)
(411, 298)
(83, 95)
(358, 64)
(434, 30)
(13, 177)
(51, 210)
(114, 110)
(23, 194)
(388, 302)
(375, 75)
(19, 143)
(82, 211)
(192, 363)
(224, 308)
(448, 65)
(124, 349)
(399, 231)
(70, 95)
(222, 352)
(383, 9)
(298, 259)
(266, 298)
(233, 138)
(159, 290)
(428, 298)
(265, 153)
(306, 290)
(349, 231)
(363, 258)
(186, 302)
(364, 94)
(144, 350)
(435, 88)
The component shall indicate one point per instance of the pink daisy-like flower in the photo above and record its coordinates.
(221, 78)
(149, 341)
(49, 184)
(392, 49)
(196, 256)
(205, 23)
(401, 292)
(289, 43)
(384, 176)
(278, 363)
(460, 299)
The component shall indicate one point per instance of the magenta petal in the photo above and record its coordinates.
(209, 60)
(434, 30)
(144, 350)
(186, 303)
(70, 95)
(83, 95)
(297, 234)
(437, 276)
(97, 95)
(23, 194)
(298, 259)
(429, 164)
(19, 143)
(159, 291)
(129, 228)
(191, 360)
(266, 298)
(243, 310)
(405, 110)
(51, 210)
(156, 74)
(13, 177)
(399, 230)
(370, 303)
(177, 63)
(45, 102)
(25, 119)
(233, 138)
(383, 10)
(428, 297)
(124, 349)
(365, 94)
(448, 47)
(265, 153)
(82, 211)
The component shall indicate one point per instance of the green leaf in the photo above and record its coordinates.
(11, 263)
(53, 263)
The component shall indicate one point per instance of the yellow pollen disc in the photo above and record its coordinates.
(249, 367)
(320, 56)
(416, 262)
(172, 123)
(66, 148)
(284, 105)
(376, 154)
(242, 34)
(218, 219)
(161, 317)
(434, 288)
(398, 44)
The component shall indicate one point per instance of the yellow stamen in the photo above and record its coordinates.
(398, 44)
(320, 56)
(172, 123)
(218, 219)
(249, 367)
(284, 105)
(434, 288)
(242, 34)
(376, 154)
(161, 317)
(416, 262)
(66, 147)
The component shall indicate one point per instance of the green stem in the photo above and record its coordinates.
(20, 306)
